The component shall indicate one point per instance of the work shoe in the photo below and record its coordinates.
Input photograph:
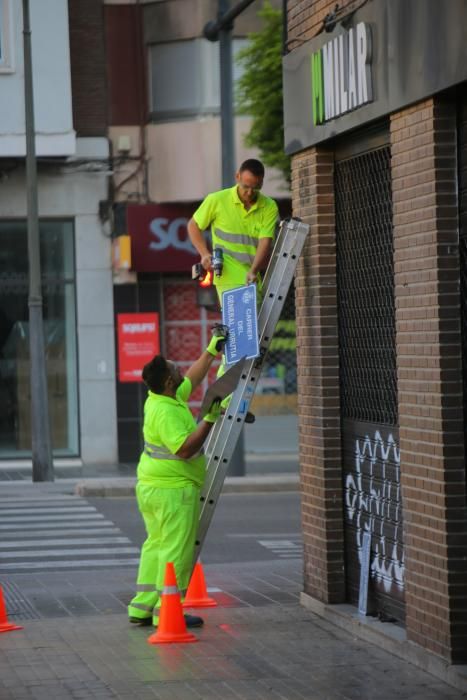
(142, 621)
(193, 621)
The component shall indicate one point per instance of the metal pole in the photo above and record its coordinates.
(237, 463)
(227, 119)
(42, 464)
(211, 29)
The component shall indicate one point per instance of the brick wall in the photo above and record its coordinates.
(126, 69)
(318, 379)
(429, 359)
(88, 76)
(317, 351)
(424, 175)
(305, 18)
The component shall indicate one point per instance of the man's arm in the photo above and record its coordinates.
(195, 440)
(197, 238)
(263, 252)
(199, 369)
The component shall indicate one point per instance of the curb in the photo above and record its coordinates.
(388, 637)
(125, 486)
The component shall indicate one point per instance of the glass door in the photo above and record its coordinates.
(59, 310)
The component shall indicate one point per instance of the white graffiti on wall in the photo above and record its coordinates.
(378, 507)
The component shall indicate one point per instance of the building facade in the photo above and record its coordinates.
(165, 139)
(72, 162)
(375, 115)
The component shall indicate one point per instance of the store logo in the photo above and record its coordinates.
(170, 234)
(341, 74)
(139, 327)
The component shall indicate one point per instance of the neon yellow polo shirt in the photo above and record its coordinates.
(236, 230)
(167, 423)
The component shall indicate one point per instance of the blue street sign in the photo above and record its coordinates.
(239, 313)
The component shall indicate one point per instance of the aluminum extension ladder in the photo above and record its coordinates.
(226, 432)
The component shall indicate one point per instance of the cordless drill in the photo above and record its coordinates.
(217, 261)
(199, 273)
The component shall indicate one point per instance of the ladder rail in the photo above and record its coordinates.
(226, 432)
(278, 249)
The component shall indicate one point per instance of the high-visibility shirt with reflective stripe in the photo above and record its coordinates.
(167, 424)
(236, 230)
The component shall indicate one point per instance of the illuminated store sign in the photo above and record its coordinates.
(341, 74)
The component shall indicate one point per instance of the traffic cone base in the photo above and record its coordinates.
(171, 638)
(9, 627)
(197, 593)
(5, 626)
(172, 626)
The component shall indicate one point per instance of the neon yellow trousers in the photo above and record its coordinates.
(171, 519)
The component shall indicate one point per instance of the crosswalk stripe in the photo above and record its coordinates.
(283, 549)
(53, 510)
(39, 518)
(55, 524)
(81, 540)
(13, 499)
(62, 534)
(81, 563)
(53, 531)
(70, 552)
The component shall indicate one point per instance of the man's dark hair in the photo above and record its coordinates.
(255, 167)
(155, 374)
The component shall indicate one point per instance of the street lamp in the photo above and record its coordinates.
(221, 30)
(42, 464)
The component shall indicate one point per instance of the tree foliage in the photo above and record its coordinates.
(259, 90)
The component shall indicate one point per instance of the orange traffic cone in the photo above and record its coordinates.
(197, 593)
(172, 626)
(5, 626)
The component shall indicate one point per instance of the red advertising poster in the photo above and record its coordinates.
(159, 237)
(138, 342)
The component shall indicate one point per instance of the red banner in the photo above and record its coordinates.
(138, 342)
(159, 237)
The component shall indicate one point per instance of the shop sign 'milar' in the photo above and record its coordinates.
(341, 74)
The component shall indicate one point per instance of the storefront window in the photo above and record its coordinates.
(58, 290)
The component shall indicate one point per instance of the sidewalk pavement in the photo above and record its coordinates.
(125, 486)
(271, 464)
(258, 644)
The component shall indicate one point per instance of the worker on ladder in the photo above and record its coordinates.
(170, 473)
(243, 222)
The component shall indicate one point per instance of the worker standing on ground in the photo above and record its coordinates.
(170, 474)
(242, 222)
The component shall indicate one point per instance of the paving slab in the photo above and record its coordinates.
(265, 652)
(255, 644)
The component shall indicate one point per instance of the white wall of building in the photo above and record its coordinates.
(184, 160)
(75, 195)
(51, 77)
